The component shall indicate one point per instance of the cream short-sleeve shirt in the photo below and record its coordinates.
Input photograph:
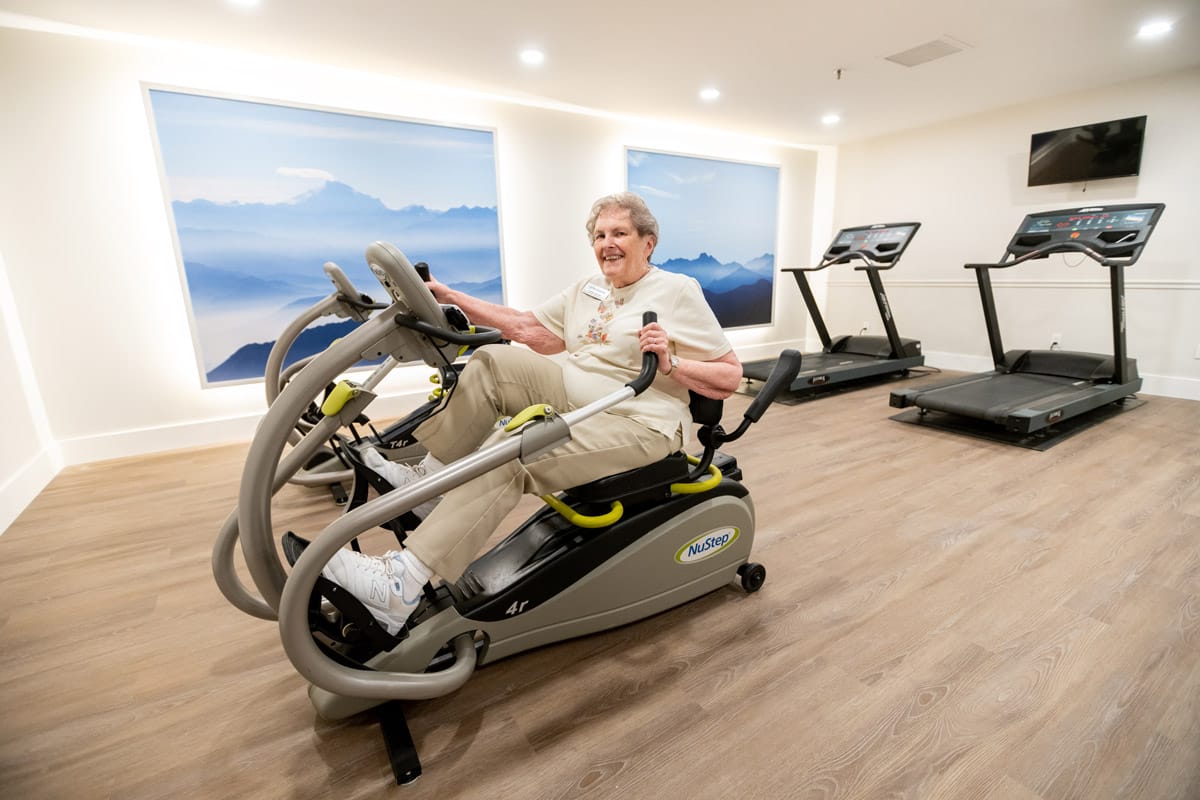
(599, 325)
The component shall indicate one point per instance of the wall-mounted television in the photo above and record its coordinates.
(1087, 152)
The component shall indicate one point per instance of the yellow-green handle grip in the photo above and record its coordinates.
(343, 393)
(711, 482)
(582, 520)
(528, 414)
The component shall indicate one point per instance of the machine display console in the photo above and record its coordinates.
(1106, 231)
(881, 242)
(1088, 220)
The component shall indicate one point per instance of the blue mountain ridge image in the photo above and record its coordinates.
(739, 295)
(745, 305)
(255, 258)
(249, 361)
(289, 241)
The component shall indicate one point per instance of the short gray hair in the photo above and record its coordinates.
(639, 213)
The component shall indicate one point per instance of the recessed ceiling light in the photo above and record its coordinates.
(532, 56)
(830, 119)
(243, 3)
(1152, 30)
(709, 94)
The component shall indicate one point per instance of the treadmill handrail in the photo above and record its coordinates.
(844, 258)
(1059, 247)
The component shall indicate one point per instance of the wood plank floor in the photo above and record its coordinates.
(943, 617)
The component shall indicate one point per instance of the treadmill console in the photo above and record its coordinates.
(1102, 232)
(880, 243)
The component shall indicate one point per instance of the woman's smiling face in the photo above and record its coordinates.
(622, 253)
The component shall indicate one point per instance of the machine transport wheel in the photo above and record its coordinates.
(753, 575)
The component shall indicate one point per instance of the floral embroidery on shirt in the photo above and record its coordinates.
(597, 330)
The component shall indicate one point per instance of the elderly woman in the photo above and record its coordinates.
(598, 322)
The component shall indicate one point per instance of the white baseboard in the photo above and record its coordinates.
(958, 362)
(235, 429)
(1171, 386)
(26, 483)
(230, 430)
(201, 433)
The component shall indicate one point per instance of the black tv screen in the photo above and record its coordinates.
(1087, 152)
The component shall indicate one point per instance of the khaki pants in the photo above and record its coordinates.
(501, 381)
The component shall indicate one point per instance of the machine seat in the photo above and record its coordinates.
(652, 480)
(648, 481)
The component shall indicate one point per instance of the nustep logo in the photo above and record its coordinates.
(707, 545)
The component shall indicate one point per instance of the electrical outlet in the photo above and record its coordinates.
(1197, 354)
(1055, 341)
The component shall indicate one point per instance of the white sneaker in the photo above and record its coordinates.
(399, 475)
(382, 583)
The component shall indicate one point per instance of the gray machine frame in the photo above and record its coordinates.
(345, 302)
(641, 579)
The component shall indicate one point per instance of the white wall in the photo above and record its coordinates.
(93, 275)
(30, 456)
(965, 182)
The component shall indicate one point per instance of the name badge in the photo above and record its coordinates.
(598, 292)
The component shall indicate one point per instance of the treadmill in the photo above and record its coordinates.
(850, 358)
(1030, 390)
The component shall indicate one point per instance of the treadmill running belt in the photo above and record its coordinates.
(994, 397)
(1042, 440)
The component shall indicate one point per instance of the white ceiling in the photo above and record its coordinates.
(775, 61)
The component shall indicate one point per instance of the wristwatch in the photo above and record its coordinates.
(674, 362)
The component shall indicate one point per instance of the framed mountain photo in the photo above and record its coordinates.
(262, 195)
(718, 223)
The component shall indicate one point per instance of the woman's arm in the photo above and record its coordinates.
(520, 326)
(717, 378)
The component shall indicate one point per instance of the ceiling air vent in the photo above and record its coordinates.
(923, 53)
